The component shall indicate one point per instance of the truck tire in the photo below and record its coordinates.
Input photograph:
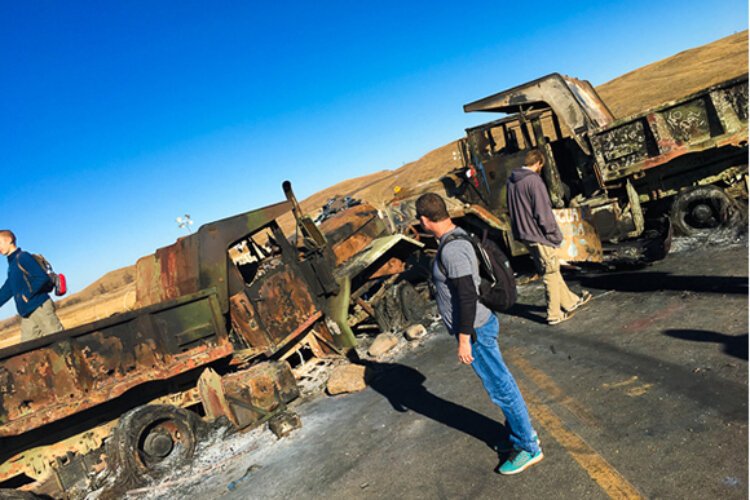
(704, 209)
(151, 440)
(413, 306)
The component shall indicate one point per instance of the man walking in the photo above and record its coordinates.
(455, 274)
(533, 223)
(28, 284)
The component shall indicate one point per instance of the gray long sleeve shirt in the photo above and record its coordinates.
(456, 283)
(530, 209)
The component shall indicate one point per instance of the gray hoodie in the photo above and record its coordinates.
(530, 209)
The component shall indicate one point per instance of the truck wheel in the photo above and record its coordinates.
(413, 305)
(703, 209)
(152, 440)
(388, 313)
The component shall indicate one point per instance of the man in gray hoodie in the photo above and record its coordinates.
(533, 223)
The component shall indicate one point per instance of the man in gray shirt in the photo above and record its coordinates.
(456, 278)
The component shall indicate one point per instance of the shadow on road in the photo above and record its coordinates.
(537, 314)
(404, 388)
(652, 281)
(736, 346)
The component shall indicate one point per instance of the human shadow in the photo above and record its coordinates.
(734, 345)
(404, 389)
(530, 312)
(653, 281)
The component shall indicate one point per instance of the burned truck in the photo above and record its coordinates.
(682, 164)
(225, 317)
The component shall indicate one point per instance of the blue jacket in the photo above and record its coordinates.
(27, 288)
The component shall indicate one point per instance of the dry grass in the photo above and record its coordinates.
(676, 76)
(645, 87)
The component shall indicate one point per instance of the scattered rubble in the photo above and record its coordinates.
(382, 344)
(346, 378)
(415, 332)
(284, 423)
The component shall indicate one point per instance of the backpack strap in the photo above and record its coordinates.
(23, 270)
(451, 237)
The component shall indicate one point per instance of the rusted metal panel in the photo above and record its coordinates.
(62, 374)
(710, 119)
(377, 250)
(200, 261)
(249, 396)
(574, 101)
(580, 240)
(350, 231)
(39, 462)
(282, 303)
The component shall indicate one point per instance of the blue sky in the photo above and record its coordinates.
(117, 117)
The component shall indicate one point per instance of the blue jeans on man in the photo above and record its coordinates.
(501, 387)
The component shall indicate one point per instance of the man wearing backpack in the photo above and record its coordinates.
(28, 284)
(533, 223)
(476, 329)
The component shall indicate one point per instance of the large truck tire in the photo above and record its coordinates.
(152, 440)
(413, 306)
(704, 209)
(401, 306)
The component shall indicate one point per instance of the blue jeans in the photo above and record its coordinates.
(501, 386)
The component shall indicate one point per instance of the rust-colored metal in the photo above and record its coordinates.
(39, 463)
(580, 241)
(352, 230)
(63, 374)
(591, 157)
(392, 266)
(364, 305)
(249, 396)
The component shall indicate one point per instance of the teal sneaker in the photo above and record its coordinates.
(505, 446)
(519, 461)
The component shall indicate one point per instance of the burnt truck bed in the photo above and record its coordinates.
(54, 377)
(708, 120)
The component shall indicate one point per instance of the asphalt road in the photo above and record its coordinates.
(642, 393)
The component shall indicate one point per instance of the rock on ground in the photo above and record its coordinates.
(415, 332)
(346, 378)
(382, 344)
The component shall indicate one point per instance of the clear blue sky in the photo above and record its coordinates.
(116, 117)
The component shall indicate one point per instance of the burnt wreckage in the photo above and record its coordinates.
(618, 186)
(225, 319)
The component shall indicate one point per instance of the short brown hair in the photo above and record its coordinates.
(532, 157)
(432, 206)
(8, 234)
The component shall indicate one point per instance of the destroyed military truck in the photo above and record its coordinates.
(224, 318)
(381, 273)
(682, 164)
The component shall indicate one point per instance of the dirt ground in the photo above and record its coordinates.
(643, 393)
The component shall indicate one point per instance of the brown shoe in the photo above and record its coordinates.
(582, 301)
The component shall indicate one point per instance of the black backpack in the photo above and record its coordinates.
(497, 289)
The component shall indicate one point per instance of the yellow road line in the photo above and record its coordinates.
(596, 466)
(546, 384)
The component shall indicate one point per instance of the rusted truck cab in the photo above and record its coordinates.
(217, 314)
(617, 174)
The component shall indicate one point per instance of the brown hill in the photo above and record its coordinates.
(665, 80)
(676, 76)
